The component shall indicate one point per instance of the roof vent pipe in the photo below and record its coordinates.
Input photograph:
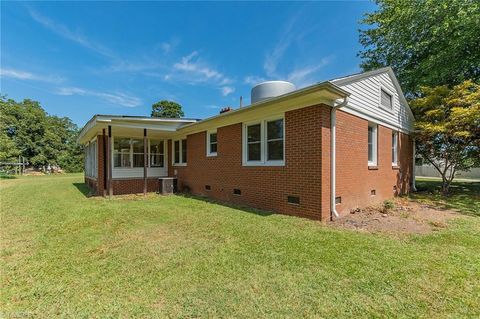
(269, 89)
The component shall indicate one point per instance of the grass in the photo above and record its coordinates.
(66, 255)
(464, 196)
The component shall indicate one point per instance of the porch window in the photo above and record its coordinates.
(129, 153)
(157, 153)
(121, 152)
(212, 143)
(138, 152)
(264, 142)
(394, 148)
(180, 152)
(372, 144)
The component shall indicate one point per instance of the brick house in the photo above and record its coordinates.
(316, 152)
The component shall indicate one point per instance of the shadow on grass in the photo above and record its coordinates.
(464, 197)
(242, 208)
(84, 189)
(5, 176)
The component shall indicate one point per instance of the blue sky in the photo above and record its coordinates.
(81, 59)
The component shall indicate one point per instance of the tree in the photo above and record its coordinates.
(27, 130)
(426, 42)
(447, 128)
(167, 109)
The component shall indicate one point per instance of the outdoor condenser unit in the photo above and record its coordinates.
(167, 185)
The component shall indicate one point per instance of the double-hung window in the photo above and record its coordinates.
(212, 143)
(372, 145)
(264, 142)
(180, 152)
(394, 148)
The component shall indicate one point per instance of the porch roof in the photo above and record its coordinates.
(131, 126)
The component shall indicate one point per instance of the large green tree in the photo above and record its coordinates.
(448, 128)
(27, 130)
(426, 42)
(167, 109)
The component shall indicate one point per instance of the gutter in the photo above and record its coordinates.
(333, 123)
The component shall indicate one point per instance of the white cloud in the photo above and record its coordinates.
(226, 90)
(24, 75)
(115, 98)
(286, 38)
(301, 76)
(253, 80)
(68, 34)
(194, 70)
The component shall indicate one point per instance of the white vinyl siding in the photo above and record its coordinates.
(365, 100)
(263, 142)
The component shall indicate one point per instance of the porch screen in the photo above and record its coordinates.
(121, 152)
(156, 153)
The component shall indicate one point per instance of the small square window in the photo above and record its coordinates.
(236, 191)
(386, 99)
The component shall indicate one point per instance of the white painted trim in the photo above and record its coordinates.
(211, 154)
(383, 87)
(180, 148)
(363, 114)
(263, 142)
(356, 77)
(374, 144)
(395, 162)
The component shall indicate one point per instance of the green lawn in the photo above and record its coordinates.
(464, 196)
(66, 255)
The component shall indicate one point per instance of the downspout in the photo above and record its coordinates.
(333, 123)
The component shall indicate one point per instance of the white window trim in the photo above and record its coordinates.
(131, 152)
(386, 90)
(164, 153)
(211, 154)
(181, 163)
(263, 143)
(375, 144)
(395, 160)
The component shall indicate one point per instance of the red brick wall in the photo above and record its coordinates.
(133, 185)
(354, 180)
(306, 172)
(92, 183)
(264, 187)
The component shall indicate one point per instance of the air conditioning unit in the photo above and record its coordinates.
(167, 185)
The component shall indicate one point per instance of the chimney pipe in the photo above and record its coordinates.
(241, 101)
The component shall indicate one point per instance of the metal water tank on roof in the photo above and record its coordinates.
(269, 89)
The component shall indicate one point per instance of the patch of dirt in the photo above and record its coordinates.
(405, 217)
